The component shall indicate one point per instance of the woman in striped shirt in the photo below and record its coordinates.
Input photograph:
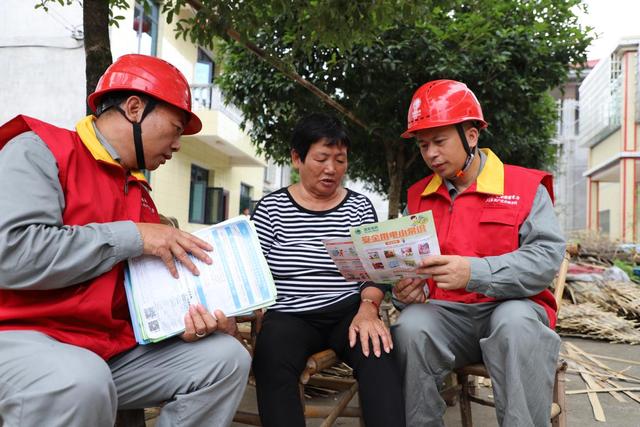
(316, 307)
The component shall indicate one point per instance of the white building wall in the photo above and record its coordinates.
(276, 177)
(42, 59)
(380, 203)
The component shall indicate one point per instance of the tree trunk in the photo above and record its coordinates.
(395, 155)
(97, 48)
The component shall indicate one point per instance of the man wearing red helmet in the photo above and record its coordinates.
(74, 205)
(501, 245)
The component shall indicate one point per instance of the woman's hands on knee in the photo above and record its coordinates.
(371, 330)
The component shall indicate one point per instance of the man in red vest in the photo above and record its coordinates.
(501, 245)
(74, 205)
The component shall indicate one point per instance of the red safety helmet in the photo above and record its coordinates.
(442, 103)
(152, 76)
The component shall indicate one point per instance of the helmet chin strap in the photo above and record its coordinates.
(470, 153)
(137, 131)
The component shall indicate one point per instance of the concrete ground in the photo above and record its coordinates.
(579, 410)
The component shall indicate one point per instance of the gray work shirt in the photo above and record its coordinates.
(528, 270)
(37, 251)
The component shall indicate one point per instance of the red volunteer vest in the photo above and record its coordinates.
(94, 314)
(479, 224)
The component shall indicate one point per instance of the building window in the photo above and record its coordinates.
(207, 205)
(616, 67)
(560, 114)
(145, 25)
(198, 195)
(205, 68)
(615, 89)
(603, 222)
(217, 208)
(245, 197)
(203, 79)
(270, 172)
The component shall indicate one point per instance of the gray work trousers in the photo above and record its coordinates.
(512, 339)
(44, 382)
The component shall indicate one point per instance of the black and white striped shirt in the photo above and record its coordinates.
(291, 237)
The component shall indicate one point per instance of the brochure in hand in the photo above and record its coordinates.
(237, 281)
(387, 251)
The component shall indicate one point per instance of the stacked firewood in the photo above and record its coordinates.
(588, 320)
(601, 302)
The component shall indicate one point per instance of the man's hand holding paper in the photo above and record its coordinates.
(448, 271)
(410, 291)
(199, 323)
(384, 252)
(169, 243)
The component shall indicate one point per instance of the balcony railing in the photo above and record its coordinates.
(208, 96)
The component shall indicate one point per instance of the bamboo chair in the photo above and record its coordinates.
(345, 388)
(465, 387)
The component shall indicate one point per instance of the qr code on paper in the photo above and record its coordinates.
(150, 313)
(154, 326)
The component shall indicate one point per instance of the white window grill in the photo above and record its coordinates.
(601, 100)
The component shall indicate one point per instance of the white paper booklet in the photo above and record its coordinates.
(237, 281)
(387, 251)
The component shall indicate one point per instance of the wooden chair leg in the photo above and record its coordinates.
(559, 396)
(451, 390)
(465, 403)
(340, 406)
(130, 418)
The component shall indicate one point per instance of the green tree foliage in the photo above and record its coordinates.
(510, 53)
(371, 56)
(301, 25)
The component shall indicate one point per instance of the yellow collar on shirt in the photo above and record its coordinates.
(88, 136)
(490, 180)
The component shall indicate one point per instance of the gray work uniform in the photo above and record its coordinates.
(47, 382)
(511, 336)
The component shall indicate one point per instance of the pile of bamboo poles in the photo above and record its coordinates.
(614, 296)
(588, 320)
(599, 378)
(600, 307)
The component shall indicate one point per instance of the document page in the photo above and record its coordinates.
(237, 281)
(387, 251)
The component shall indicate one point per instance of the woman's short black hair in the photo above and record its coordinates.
(314, 127)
